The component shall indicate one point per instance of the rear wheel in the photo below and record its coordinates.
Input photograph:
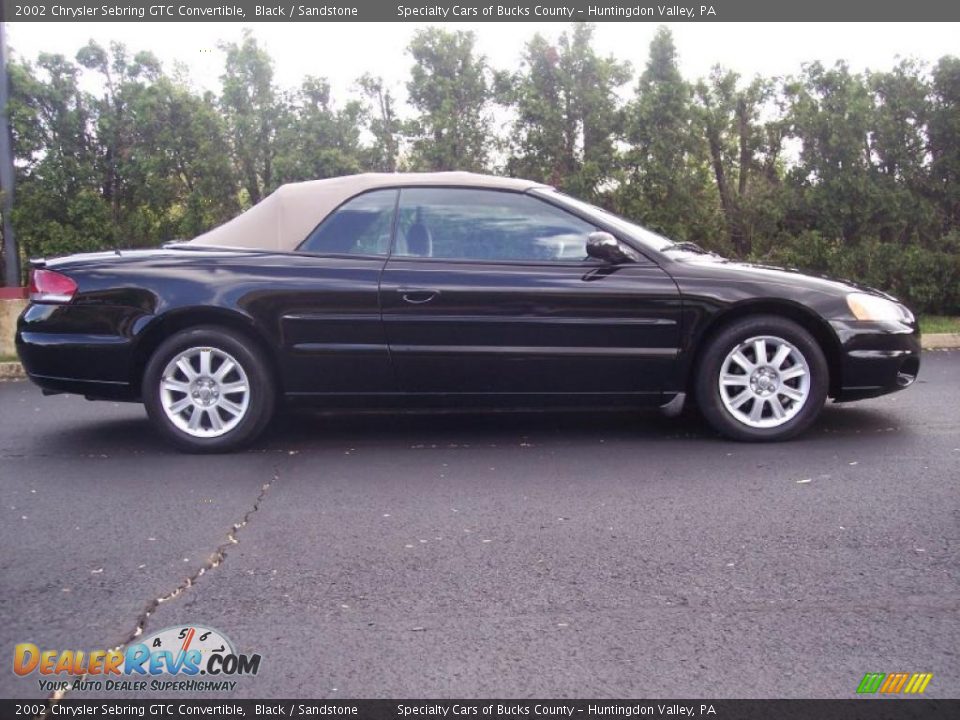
(206, 390)
(762, 378)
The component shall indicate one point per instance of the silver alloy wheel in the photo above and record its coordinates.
(764, 381)
(205, 392)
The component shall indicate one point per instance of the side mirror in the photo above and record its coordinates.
(604, 246)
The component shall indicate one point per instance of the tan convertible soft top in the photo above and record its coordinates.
(283, 219)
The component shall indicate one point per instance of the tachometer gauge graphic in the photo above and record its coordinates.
(183, 638)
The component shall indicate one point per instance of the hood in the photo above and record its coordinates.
(716, 267)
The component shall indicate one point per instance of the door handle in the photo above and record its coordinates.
(417, 296)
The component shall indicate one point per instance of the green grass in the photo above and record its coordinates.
(939, 324)
(9, 358)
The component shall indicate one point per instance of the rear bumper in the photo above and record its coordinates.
(876, 358)
(91, 364)
(90, 389)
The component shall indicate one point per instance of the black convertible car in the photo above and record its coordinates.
(451, 288)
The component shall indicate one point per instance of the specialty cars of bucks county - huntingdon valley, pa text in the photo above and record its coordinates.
(675, 12)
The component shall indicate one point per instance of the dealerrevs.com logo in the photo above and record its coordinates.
(188, 659)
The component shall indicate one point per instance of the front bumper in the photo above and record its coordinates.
(875, 358)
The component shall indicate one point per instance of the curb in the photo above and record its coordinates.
(934, 341)
(14, 293)
(11, 371)
(940, 341)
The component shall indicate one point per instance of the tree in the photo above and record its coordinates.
(159, 150)
(253, 112)
(59, 208)
(317, 140)
(898, 149)
(742, 157)
(944, 138)
(568, 118)
(449, 88)
(110, 115)
(665, 171)
(383, 124)
(830, 112)
(183, 177)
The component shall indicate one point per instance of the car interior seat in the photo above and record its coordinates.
(419, 241)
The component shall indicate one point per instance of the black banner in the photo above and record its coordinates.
(853, 709)
(473, 11)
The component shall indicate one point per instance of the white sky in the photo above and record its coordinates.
(344, 51)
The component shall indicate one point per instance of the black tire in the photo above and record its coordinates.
(258, 404)
(707, 381)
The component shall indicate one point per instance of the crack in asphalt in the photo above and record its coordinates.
(216, 559)
(213, 562)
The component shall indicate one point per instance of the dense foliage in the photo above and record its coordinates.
(853, 174)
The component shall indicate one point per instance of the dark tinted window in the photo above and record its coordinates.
(486, 225)
(360, 226)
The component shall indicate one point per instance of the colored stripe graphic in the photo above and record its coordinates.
(918, 683)
(908, 683)
(894, 683)
(871, 682)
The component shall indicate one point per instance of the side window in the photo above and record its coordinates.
(360, 226)
(473, 224)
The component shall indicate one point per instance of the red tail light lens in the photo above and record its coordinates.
(51, 287)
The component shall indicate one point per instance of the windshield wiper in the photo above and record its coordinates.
(688, 246)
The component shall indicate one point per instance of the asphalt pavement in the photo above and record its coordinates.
(511, 555)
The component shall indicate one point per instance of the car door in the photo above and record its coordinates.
(329, 312)
(491, 291)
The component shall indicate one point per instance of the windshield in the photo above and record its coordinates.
(638, 232)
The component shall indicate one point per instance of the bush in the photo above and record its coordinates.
(926, 278)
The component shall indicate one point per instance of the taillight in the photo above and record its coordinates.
(47, 286)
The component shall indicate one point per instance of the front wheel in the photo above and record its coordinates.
(207, 391)
(762, 378)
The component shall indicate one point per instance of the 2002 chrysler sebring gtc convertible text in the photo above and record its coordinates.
(451, 288)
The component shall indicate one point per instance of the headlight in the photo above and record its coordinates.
(877, 309)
